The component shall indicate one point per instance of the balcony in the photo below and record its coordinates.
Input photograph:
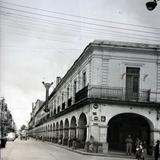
(63, 105)
(54, 111)
(81, 94)
(116, 93)
(69, 102)
(58, 110)
(112, 94)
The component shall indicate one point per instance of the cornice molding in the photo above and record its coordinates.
(127, 45)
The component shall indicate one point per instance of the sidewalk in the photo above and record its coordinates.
(81, 151)
(109, 154)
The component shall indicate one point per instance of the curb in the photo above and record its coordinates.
(90, 154)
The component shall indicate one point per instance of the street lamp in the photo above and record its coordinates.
(151, 5)
(47, 86)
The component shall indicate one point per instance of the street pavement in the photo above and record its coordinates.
(38, 150)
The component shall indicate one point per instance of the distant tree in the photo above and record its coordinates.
(23, 127)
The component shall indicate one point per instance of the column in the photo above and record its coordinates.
(88, 134)
(69, 136)
(94, 131)
(156, 135)
(103, 138)
(77, 132)
(64, 134)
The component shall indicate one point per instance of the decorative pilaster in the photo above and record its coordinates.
(105, 70)
(103, 138)
(156, 135)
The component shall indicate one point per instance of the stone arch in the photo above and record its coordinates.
(54, 130)
(54, 112)
(50, 136)
(51, 128)
(61, 129)
(47, 127)
(123, 124)
(66, 132)
(73, 126)
(57, 130)
(66, 128)
(48, 132)
(82, 127)
(43, 132)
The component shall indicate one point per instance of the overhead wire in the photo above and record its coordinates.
(38, 37)
(78, 21)
(17, 32)
(88, 28)
(89, 34)
(65, 50)
(77, 16)
(41, 30)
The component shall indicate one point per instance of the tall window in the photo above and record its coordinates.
(55, 103)
(84, 79)
(132, 82)
(58, 101)
(75, 87)
(62, 97)
(63, 103)
(67, 92)
(55, 106)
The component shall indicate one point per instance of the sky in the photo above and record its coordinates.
(41, 39)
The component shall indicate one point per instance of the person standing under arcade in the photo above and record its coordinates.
(156, 150)
(129, 142)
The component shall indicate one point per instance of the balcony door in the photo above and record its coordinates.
(132, 83)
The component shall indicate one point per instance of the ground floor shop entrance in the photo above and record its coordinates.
(122, 125)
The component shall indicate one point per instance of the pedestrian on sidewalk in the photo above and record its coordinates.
(156, 150)
(144, 153)
(129, 142)
(139, 151)
(136, 145)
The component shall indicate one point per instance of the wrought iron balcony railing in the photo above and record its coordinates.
(69, 102)
(83, 93)
(63, 105)
(117, 93)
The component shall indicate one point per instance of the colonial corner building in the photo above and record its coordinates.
(112, 90)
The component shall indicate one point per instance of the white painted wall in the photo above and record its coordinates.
(117, 63)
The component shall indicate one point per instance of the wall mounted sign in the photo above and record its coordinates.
(94, 113)
(95, 124)
(95, 106)
(96, 118)
(103, 118)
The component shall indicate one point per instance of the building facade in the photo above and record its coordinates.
(34, 120)
(112, 90)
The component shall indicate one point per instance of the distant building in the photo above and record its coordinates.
(34, 114)
(112, 90)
